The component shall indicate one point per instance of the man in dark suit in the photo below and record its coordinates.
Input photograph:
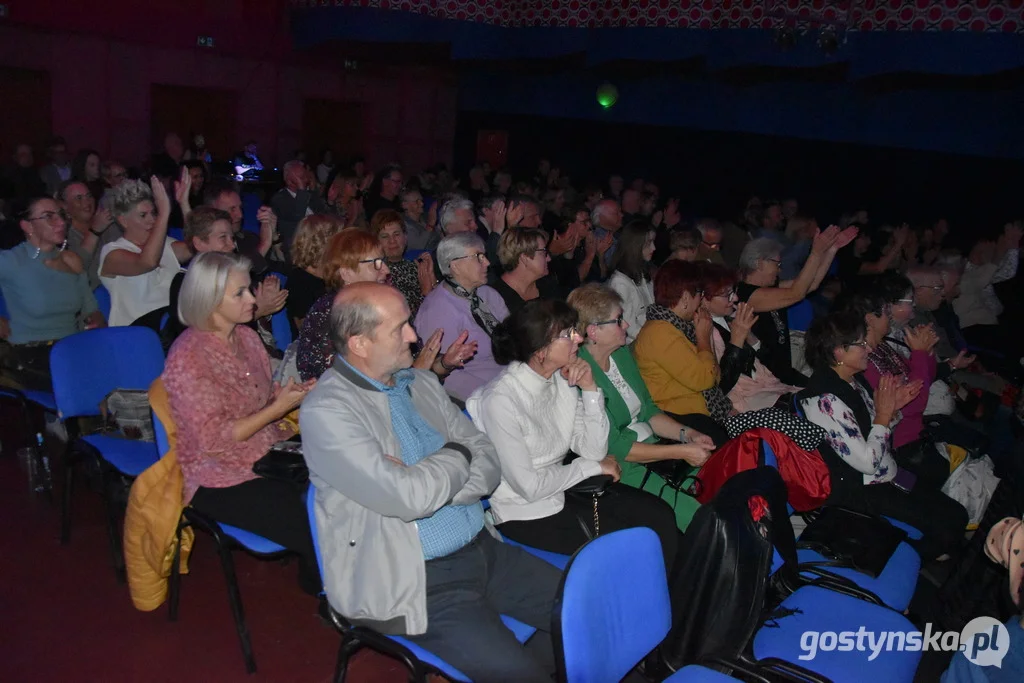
(294, 201)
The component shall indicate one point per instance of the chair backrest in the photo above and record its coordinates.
(176, 234)
(800, 315)
(413, 254)
(103, 300)
(282, 329)
(89, 365)
(311, 511)
(3, 307)
(612, 608)
(162, 443)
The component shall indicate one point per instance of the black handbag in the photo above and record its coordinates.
(863, 541)
(283, 464)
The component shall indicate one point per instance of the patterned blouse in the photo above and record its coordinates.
(314, 353)
(210, 385)
(871, 456)
(405, 278)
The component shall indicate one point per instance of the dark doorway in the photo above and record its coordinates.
(187, 111)
(30, 120)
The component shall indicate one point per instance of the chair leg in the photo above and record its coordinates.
(113, 531)
(174, 580)
(235, 598)
(348, 647)
(69, 485)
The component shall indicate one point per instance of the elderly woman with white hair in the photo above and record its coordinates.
(760, 265)
(139, 267)
(463, 302)
(228, 412)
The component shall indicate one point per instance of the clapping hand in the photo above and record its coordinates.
(921, 338)
(429, 350)
(847, 236)
(461, 351)
(825, 239)
(564, 243)
(270, 298)
(743, 321)
(515, 215)
(287, 397)
(182, 187)
(962, 360)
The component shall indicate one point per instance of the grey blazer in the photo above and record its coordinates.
(367, 506)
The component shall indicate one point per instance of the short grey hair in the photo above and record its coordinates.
(125, 197)
(203, 287)
(291, 165)
(756, 251)
(352, 318)
(454, 246)
(448, 209)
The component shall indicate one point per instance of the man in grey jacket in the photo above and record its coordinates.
(399, 473)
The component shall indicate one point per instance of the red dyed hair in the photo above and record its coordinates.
(717, 278)
(673, 279)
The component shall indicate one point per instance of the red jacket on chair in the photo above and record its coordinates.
(804, 472)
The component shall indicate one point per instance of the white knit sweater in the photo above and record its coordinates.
(533, 422)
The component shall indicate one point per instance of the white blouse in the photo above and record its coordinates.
(642, 429)
(132, 297)
(871, 456)
(635, 300)
(533, 422)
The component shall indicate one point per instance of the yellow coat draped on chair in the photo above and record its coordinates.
(151, 521)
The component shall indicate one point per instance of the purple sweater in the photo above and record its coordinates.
(443, 309)
(920, 366)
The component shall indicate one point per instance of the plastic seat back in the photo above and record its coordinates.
(3, 306)
(162, 442)
(601, 631)
(89, 365)
(800, 315)
(102, 295)
(413, 254)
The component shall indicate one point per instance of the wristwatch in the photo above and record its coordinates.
(682, 435)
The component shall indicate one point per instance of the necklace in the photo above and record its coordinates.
(39, 250)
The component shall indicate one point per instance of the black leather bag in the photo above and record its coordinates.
(865, 542)
(281, 465)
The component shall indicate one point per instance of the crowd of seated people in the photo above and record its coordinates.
(586, 334)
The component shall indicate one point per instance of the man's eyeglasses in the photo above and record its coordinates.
(617, 321)
(378, 263)
(479, 255)
(49, 217)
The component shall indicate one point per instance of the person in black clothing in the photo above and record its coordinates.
(22, 178)
(760, 263)
(524, 258)
(384, 193)
(305, 282)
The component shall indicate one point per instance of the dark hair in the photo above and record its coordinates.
(673, 279)
(62, 189)
(828, 333)
(213, 190)
(629, 254)
(78, 163)
(683, 238)
(868, 295)
(530, 329)
(891, 286)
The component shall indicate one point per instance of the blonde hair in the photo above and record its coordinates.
(593, 301)
(344, 251)
(311, 238)
(516, 242)
(202, 290)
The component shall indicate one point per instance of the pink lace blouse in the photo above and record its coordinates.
(210, 385)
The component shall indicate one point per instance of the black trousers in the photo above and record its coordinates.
(469, 590)
(620, 507)
(941, 520)
(704, 424)
(271, 508)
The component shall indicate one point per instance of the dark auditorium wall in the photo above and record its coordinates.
(103, 62)
(715, 172)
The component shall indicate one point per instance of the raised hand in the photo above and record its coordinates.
(846, 236)
(425, 272)
(921, 338)
(182, 186)
(432, 216)
(514, 215)
(825, 239)
(702, 324)
(500, 212)
(101, 220)
(605, 243)
(270, 298)
(885, 399)
(672, 216)
(564, 243)
(160, 199)
(907, 392)
(267, 215)
(461, 351)
(743, 321)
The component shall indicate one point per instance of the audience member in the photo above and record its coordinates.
(413, 279)
(639, 433)
(978, 306)
(326, 165)
(47, 295)
(294, 201)
(535, 415)
(524, 259)
(137, 269)
(23, 177)
(386, 196)
(59, 169)
(674, 353)
(341, 198)
(229, 413)
(85, 168)
(248, 161)
(631, 276)
(224, 196)
(456, 216)
(464, 303)
(745, 380)
(306, 279)
(684, 244)
(88, 229)
(419, 227)
(399, 468)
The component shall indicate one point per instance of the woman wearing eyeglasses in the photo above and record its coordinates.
(745, 380)
(638, 431)
(47, 294)
(354, 255)
(632, 277)
(523, 254)
(760, 265)
(675, 355)
(858, 427)
(544, 406)
(464, 304)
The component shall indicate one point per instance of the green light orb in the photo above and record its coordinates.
(607, 95)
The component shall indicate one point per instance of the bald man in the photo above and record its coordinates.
(399, 473)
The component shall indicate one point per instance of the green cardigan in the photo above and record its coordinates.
(620, 437)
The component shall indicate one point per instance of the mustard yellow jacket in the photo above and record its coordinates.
(673, 369)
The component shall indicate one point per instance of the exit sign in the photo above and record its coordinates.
(204, 41)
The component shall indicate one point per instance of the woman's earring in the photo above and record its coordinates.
(839, 363)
